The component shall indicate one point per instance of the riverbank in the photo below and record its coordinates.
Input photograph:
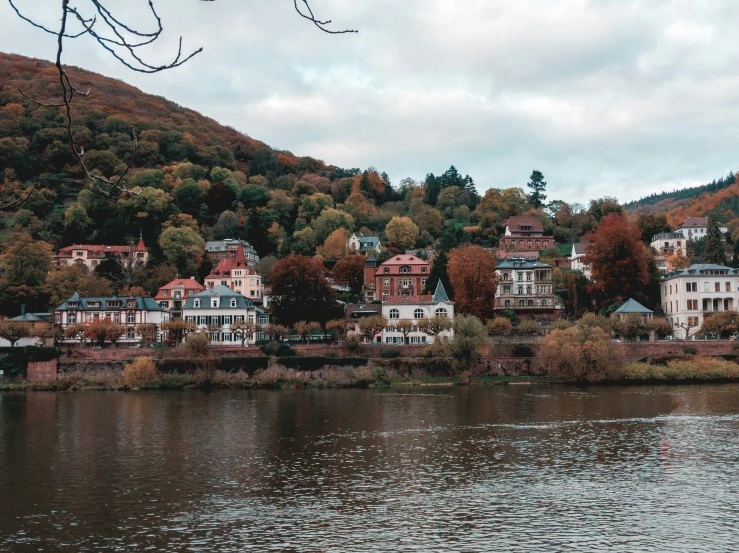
(678, 371)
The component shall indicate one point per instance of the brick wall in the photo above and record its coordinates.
(42, 372)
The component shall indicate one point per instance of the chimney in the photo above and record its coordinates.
(23, 309)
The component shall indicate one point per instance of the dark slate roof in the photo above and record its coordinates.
(368, 243)
(633, 306)
(33, 318)
(440, 293)
(356, 311)
(702, 269)
(146, 304)
(518, 263)
(221, 292)
(668, 236)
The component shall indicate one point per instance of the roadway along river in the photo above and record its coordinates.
(507, 468)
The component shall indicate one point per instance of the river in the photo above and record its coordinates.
(505, 468)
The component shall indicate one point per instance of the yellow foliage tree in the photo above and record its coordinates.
(402, 232)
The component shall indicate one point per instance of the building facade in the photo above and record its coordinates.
(237, 274)
(216, 250)
(692, 294)
(667, 244)
(525, 234)
(526, 287)
(413, 308)
(171, 297)
(576, 260)
(215, 309)
(695, 228)
(127, 310)
(401, 275)
(90, 256)
(363, 244)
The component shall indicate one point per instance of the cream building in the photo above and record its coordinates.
(413, 308)
(692, 294)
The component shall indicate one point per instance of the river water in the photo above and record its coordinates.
(506, 468)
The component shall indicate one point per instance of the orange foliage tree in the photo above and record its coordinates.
(335, 245)
(349, 271)
(619, 259)
(471, 272)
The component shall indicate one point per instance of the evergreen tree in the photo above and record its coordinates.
(439, 272)
(538, 186)
(715, 252)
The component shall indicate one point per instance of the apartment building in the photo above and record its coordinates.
(413, 308)
(692, 294)
(526, 287)
(401, 275)
(216, 250)
(90, 255)
(172, 296)
(237, 274)
(525, 234)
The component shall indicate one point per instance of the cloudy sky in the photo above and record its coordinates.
(605, 97)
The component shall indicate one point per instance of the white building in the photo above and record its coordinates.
(667, 244)
(695, 228)
(363, 244)
(690, 295)
(219, 307)
(413, 308)
(576, 259)
(128, 311)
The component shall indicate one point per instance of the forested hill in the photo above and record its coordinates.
(168, 132)
(668, 201)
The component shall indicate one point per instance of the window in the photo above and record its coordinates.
(233, 302)
(394, 314)
(423, 270)
(507, 303)
(196, 303)
(506, 289)
(520, 276)
(190, 318)
(441, 312)
(716, 286)
(165, 292)
(387, 282)
(386, 270)
(58, 318)
(728, 286)
(423, 282)
(72, 318)
(520, 303)
(201, 320)
(227, 319)
(528, 290)
(226, 336)
(214, 302)
(505, 276)
(405, 269)
(415, 339)
(253, 282)
(691, 286)
(131, 318)
(531, 303)
(418, 314)
(239, 318)
(131, 333)
(213, 320)
(544, 303)
(692, 305)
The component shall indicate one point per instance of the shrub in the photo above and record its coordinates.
(278, 349)
(278, 376)
(522, 350)
(380, 375)
(469, 336)
(690, 350)
(499, 326)
(527, 327)
(560, 324)
(140, 372)
(344, 377)
(390, 354)
(353, 344)
(581, 354)
(693, 368)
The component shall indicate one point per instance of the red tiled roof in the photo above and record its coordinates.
(409, 300)
(185, 283)
(515, 223)
(398, 261)
(97, 248)
(230, 263)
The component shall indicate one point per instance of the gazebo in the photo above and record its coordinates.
(633, 306)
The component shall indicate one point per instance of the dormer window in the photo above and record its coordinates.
(131, 303)
(233, 302)
(386, 270)
(72, 304)
(405, 269)
(214, 302)
(196, 303)
(423, 269)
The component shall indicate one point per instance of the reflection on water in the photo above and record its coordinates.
(489, 469)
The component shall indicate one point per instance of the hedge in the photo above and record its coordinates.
(14, 361)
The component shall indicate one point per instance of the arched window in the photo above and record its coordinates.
(544, 303)
(441, 312)
(387, 270)
(505, 276)
(528, 290)
(507, 303)
(531, 303)
(520, 303)
(394, 314)
(418, 314)
(423, 270)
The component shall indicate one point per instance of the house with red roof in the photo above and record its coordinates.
(525, 234)
(239, 275)
(172, 296)
(90, 255)
(401, 275)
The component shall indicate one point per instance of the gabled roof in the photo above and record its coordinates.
(146, 304)
(633, 306)
(396, 262)
(692, 222)
(184, 283)
(514, 224)
(32, 318)
(440, 293)
(578, 248)
(225, 266)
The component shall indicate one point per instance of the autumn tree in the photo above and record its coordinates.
(244, 330)
(582, 353)
(13, 331)
(76, 332)
(304, 329)
(538, 186)
(337, 327)
(177, 329)
(371, 326)
(499, 326)
(402, 232)
(349, 271)
(433, 326)
(300, 290)
(63, 282)
(472, 275)
(275, 331)
(334, 247)
(677, 262)
(24, 266)
(148, 333)
(470, 336)
(405, 327)
(105, 331)
(619, 260)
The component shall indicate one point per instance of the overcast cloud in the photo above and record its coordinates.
(605, 97)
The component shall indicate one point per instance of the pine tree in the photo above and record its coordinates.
(439, 272)
(715, 252)
(538, 186)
